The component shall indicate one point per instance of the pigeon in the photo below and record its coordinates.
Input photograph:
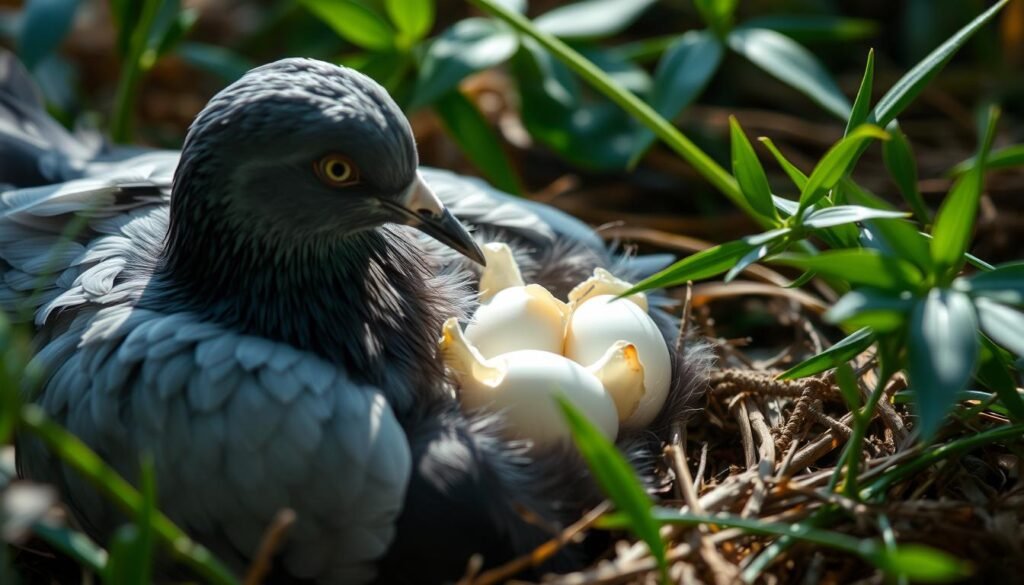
(259, 312)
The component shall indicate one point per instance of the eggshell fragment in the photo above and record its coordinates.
(521, 385)
(622, 376)
(599, 322)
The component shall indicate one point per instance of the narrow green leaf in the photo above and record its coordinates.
(354, 22)
(1003, 324)
(994, 372)
(845, 350)
(865, 307)
(616, 478)
(914, 81)
(412, 17)
(748, 171)
(1005, 283)
(706, 263)
(1001, 158)
(922, 564)
(682, 74)
(466, 47)
(900, 238)
(178, 28)
(842, 214)
(76, 545)
(796, 175)
(862, 103)
(125, 14)
(847, 382)
(858, 267)
(748, 259)
(44, 24)
(899, 160)
(592, 19)
(954, 222)
(792, 64)
(815, 27)
(943, 352)
(717, 14)
(468, 128)
(837, 162)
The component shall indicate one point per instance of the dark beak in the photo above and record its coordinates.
(421, 209)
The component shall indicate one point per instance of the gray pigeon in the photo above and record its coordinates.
(260, 312)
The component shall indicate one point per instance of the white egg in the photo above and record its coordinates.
(521, 385)
(601, 321)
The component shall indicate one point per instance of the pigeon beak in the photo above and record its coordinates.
(421, 209)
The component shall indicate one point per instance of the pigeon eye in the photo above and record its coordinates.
(336, 170)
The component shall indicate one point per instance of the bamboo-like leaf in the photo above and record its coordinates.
(843, 214)
(748, 171)
(848, 348)
(865, 307)
(617, 479)
(943, 353)
(1003, 324)
(862, 103)
(796, 175)
(914, 81)
(899, 160)
(837, 162)
(1005, 283)
(1002, 158)
(858, 267)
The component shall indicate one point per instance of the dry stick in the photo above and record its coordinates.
(273, 538)
(700, 467)
(739, 410)
(543, 552)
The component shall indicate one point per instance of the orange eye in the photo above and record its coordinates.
(337, 171)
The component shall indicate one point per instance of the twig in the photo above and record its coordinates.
(273, 537)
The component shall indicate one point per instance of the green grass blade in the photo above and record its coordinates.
(848, 348)
(796, 175)
(748, 171)
(700, 161)
(1003, 158)
(862, 103)
(837, 163)
(791, 63)
(943, 352)
(864, 267)
(914, 81)
(617, 479)
(902, 165)
(76, 545)
(468, 128)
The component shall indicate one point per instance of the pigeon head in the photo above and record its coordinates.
(302, 150)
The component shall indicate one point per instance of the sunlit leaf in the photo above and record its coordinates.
(904, 91)
(900, 238)
(412, 17)
(837, 162)
(591, 18)
(867, 307)
(943, 352)
(44, 24)
(858, 267)
(616, 478)
(1005, 283)
(862, 103)
(682, 74)
(354, 22)
(791, 63)
(1003, 324)
(796, 175)
(899, 159)
(748, 259)
(1001, 158)
(748, 171)
(717, 14)
(842, 214)
(466, 47)
(845, 350)
(468, 128)
(922, 564)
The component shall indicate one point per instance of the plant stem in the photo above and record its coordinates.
(133, 68)
(72, 451)
(861, 421)
(704, 164)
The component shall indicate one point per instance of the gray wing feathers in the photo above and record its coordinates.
(239, 427)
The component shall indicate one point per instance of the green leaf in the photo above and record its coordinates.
(468, 128)
(954, 222)
(845, 350)
(1003, 324)
(1001, 158)
(943, 352)
(816, 27)
(866, 307)
(842, 214)
(354, 22)
(1005, 283)
(224, 63)
(862, 103)
(466, 47)
(413, 18)
(922, 564)
(592, 19)
(125, 14)
(796, 175)
(847, 382)
(900, 238)
(74, 544)
(837, 163)
(994, 372)
(177, 29)
(616, 478)
(131, 553)
(858, 267)
(914, 81)
(792, 64)
(899, 160)
(717, 14)
(748, 259)
(682, 74)
(706, 263)
(748, 171)
(44, 24)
